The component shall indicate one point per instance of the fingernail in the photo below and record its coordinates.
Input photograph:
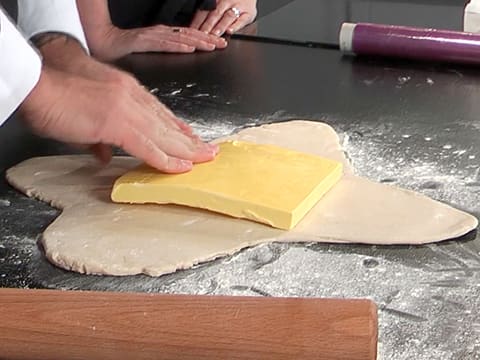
(215, 148)
(185, 164)
(217, 32)
(231, 30)
(210, 148)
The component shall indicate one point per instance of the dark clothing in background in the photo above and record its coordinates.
(128, 14)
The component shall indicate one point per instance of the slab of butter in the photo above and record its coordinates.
(263, 183)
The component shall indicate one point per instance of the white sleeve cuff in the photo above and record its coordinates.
(20, 68)
(39, 16)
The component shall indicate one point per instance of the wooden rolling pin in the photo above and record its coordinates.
(46, 324)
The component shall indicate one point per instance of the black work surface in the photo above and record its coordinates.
(412, 125)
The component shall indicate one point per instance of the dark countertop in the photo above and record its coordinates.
(414, 125)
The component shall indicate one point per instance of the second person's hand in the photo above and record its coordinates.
(108, 42)
(159, 38)
(229, 17)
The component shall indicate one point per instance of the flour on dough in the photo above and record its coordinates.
(95, 236)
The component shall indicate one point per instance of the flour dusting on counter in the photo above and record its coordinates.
(435, 167)
(416, 288)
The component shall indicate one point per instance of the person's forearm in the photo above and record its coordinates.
(96, 21)
(61, 51)
(20, 68)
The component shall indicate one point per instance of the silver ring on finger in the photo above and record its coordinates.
(236, 12)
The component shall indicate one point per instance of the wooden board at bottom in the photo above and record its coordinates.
(51, 324)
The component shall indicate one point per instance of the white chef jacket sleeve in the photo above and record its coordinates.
(39, 16)
(20, 68)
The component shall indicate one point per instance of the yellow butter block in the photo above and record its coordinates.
(263, 183)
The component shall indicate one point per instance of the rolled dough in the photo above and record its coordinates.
(95, 236)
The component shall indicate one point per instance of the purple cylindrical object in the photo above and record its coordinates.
(410, 43)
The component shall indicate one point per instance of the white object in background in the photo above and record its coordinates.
(471, 19)
(346, 37)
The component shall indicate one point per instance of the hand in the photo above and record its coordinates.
(88, 112)
(117, 43)
(108, 42)
(82, 101)
(223, 19)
